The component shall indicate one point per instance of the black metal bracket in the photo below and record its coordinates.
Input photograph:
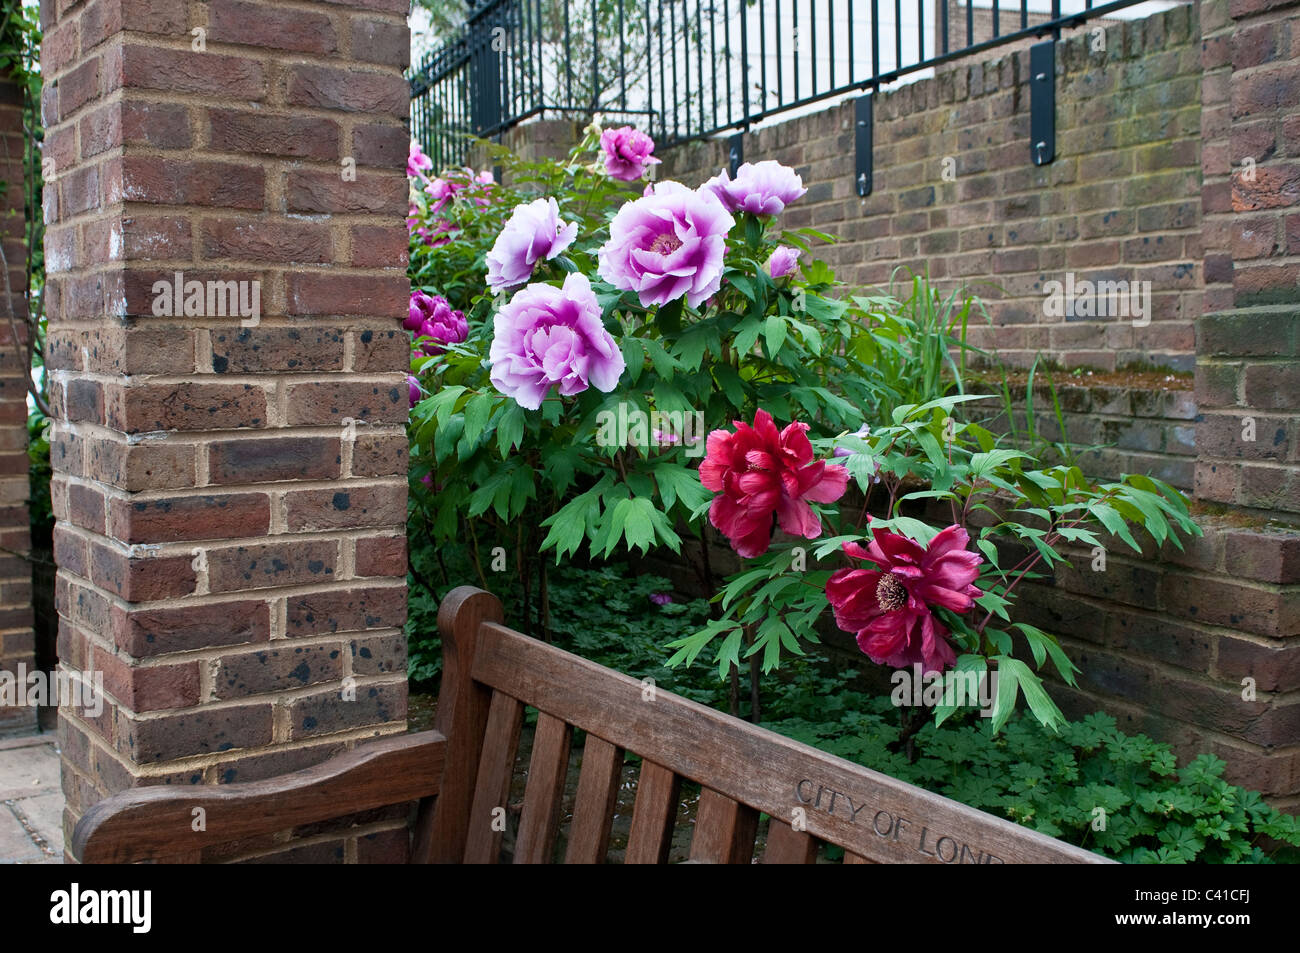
(735, 153)
(1042, 102)
(862, 124)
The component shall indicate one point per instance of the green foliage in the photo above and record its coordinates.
(918, 349)
(1089, 783)
(1037, 510)
(39, 472)
(1032, 437)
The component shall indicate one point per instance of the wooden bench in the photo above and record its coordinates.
(460, 775)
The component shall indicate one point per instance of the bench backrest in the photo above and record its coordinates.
(490, 673)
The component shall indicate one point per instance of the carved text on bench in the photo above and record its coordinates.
(919, 838)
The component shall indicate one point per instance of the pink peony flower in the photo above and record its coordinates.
(440, 192)
(533, 233)
(417, 163)
(762, 188)
(441, 234)
(667, 244)
(413, 387)
(661, 598)
(767, 478)
(548, 336)
(480, 187)
(627, 153)
(782, 261)
(889, 608)
(432, 316)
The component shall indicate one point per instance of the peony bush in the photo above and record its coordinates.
(603, 365)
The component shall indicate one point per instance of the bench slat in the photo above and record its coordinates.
(492, 789)
(593, 813)
(156, 823)
(785, 845)
(539, 823)
(657, 792)
(846, 804)
(724, 830)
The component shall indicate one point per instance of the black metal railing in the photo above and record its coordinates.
(684, 69)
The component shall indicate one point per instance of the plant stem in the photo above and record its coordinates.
(478, 566)
(755, 701)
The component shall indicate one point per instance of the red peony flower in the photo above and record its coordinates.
(767, 477)
(889, 608)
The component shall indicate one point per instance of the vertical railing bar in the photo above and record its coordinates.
(920, 30)
(726, 39)
(852, 40)
(540, 73)
(649, 70)
(622, 62)
(699, 61)
(797, 47)
(672, 26)
(898, 33)
(713, 51)
(762, 53)
(970, 24)
(812, 40)
(780, 60)
(686, 61)
(568, 58)
(875, 39)
(663, 100)
(830, 41)
(595, 59)
(996, 17)
(943, 5)
(517, 30)
(528, 91)
(744, 64)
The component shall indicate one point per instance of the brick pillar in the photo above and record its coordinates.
(231, 548)
(16, 641)
(1248, 381)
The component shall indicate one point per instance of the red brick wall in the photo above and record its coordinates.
(231, 550)
(1121, 200)
(16, 642)
(1248, 380)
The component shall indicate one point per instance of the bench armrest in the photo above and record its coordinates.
(156, 823)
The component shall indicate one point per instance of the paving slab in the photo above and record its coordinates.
(29, 771)
(16, 845)
(44, 817)
(31, 801)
